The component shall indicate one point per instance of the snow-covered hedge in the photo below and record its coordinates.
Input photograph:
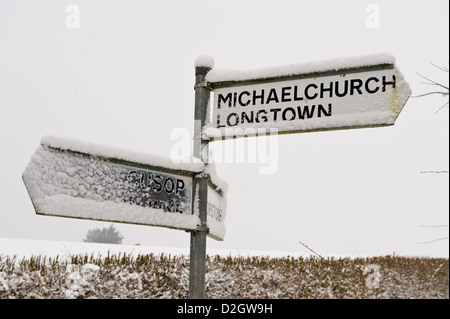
(166, 276)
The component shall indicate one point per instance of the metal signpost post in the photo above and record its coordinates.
(197, 267)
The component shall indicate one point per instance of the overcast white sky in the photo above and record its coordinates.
(125, 78)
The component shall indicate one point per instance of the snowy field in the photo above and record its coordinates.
(30, 247)
(31, 269)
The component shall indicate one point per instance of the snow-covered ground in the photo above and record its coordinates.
(31, 247)
(61, 270)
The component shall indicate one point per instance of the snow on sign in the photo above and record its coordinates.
(365, 91)
(73, 179)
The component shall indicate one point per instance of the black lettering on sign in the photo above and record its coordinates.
(232, 119)
(155, 182)
(180, 186)
(272, 96)
(296, 97)
(323, 111)
(345, 90)
(368, 89)
(310, 97)
(285, 94)
(309, 113)
(261, 118)
(218, 121)
(240, 98)
(267, 103)
(275, 111)
(136, 179)
(288, 118)
(258, 97)
(355, 84)
(245, 117)
(221, 98)
(169, 185)
(172, 207)
(158, 183)
(156, 190)
(326, 89)
(388, 83)
(214, 211)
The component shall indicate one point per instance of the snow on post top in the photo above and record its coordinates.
(217, 75)
(204, 61)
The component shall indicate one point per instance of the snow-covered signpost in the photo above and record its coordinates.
(76, 179)
(80, 180)
(356, 92)
(69, 178)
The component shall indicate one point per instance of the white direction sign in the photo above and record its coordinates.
(216, 211)
(64, 179)
(337, 98)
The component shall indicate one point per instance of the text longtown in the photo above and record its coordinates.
(274, 115)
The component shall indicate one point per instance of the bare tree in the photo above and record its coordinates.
(432, 241)
(441, 88)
